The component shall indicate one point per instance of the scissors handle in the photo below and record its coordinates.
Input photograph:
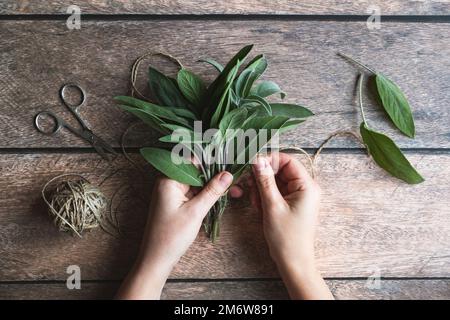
(57, 122)
(73, 108)
(62, 94)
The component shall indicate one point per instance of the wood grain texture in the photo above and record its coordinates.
(38, 57)
(220, 290)
(174, 7)
(369, 222)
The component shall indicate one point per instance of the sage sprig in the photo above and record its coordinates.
(392, 99)
(235, 100)
(384, 151)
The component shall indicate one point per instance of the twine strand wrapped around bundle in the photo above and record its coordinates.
(75, 205)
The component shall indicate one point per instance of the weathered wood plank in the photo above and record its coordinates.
(272, 289)
(38, 57)
(175, 7)
(369, 223)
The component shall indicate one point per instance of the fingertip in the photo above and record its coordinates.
(212, 191)
(236, 192)
(225, 179)
(260, 164)
(262, 168)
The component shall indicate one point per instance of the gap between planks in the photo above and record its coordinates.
(136, 150)
(200, 280)
(228, 17)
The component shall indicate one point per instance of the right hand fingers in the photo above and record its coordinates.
(291, 169)
(265, 181)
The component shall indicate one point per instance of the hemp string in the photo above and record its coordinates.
(312, 159)
(77, 204)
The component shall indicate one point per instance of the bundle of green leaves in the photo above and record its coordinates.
(235, 102)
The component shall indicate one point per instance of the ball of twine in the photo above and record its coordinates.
(75, 204)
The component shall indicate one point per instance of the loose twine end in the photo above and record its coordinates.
(312, 159)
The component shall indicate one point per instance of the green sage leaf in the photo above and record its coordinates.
(153, 109)
(244, 82)
(396, 105)
(249, 75)
(233, 120)
(214, 63)
(268, 88)
(256, 109)
(150, 120)
(290, 110)
(291, 125)
(224, 104)
(188, 138)
(185, 113)
(217, 88)
(257, 65)
(260, 101)
(182, 172)
(192, 87)
(165, 90)
(388, 156)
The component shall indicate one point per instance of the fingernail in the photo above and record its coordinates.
(260, 164)
(226, 179)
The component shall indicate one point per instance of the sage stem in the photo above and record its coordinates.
(360, 83)
(356, 62)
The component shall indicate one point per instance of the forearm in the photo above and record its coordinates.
(144, 282)
(303, 281)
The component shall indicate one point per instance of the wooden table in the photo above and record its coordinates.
(370, 224)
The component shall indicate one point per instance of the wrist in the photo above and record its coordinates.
(300, 265)
(145, 280)
(158, 269)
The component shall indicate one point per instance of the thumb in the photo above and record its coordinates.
(208, 196)
(267, 186)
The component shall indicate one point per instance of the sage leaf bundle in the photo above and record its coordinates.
(233, 104)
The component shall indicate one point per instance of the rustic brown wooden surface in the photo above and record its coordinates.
(360, 230)
(173, 7)
(220, 290)
(369, 222)
(38, 57)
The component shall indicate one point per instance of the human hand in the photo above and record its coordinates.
(175, 218)
(288, 199)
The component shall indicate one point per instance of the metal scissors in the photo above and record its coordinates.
(83, 132)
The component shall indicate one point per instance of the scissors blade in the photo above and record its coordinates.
(101, 146)
(98, 143)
